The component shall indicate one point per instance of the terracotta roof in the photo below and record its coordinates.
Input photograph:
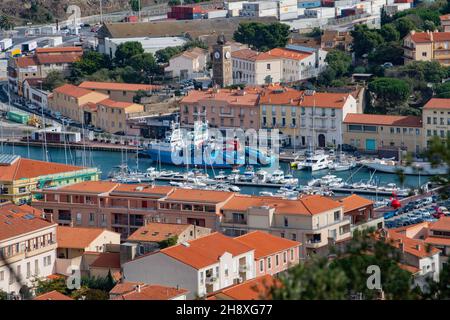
(385, 120)
(254, 289)
(438, 241)
(57, 58)
(17, 220)
(156, 232)
(205, 251)
(412, 246)
(26, 61)
(76, 238)
(27, 168)
(110, 260)
(115, 104)
(59, 49)
(354, 202)
(192, 53)
(278, 95)
(124, 287)
(245, 97)
(426, 37)
(53, 295)
(143, 189)
(409, 268)
(266, 244)
(252, 55)
(307, 205)
(152, 292)
(92, 85)
(437, 103)
(203, 196)
(72, 91)
(96, 187)
(288, 54)
(443, 224)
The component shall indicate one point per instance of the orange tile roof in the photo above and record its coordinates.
(288, 54)
(143, 189)
(385, 120)
(152, 292)
(278, 95)
(76, 238)
(13, 222)
(124, 287)
(438, 241)
(245, 97)
(156, 232)
(109, 260)
(27, 168)
(203, 196)
(354, 202)
(57, 58)
(254, 289)
(115, 104)
(412, 246)
(26, 61)
(205, 251)
(53, 295)
(266, 244)
(409, 268)
(96, 187)
(443, 224)
(427, 37)
(93, 85)
(72, 91)
(437, 103)
(252, 55)
(59, 49)
(307, 205)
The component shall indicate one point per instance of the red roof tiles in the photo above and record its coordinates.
(437, 103)
(266, 244)
(384, 120)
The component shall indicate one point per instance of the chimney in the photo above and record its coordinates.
(138, 288)
(431, 36)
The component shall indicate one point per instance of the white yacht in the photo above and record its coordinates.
(416, 168)
(316, 162)
(262, 176)
(277, 176)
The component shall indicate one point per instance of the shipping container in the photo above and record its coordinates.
(216, 14)
(5, 44)
(327, 3)
(18, 117)
(29, 46)
(308, 4)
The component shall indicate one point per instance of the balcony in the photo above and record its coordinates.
(211, 280)
(243, 268)
(313, 243)
(34, 252)
(235, 221)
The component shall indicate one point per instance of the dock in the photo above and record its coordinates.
(366, 191)
(90, 146)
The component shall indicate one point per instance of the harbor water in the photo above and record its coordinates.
(106, 161)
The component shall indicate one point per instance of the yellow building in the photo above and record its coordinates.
(20, 176)
(118, 91)
(427, 46)
(112, 115)
(374, 132)
(436, 119)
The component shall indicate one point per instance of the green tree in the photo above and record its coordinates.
(90, 62)
(326, 77)
(439, 153)
(429, 71)
(135, 5)
(391, 52)
(53, 80)
(44, 285)
(429, 25)
(126, 50)
(439, 290)
(390, 33)
(262, 36)
(168, 242)
(389, 93)
(365, 40)
(144, 63)
(6, 23)
(404, 26)
(339, 61)
(3, 295)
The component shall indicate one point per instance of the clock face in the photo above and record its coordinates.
(217, 55)
(227, 55)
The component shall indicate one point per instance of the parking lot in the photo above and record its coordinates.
(428, 209)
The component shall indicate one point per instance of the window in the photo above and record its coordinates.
(354, 127)
(337, 215)
(19, 271)
(261, 266)
(424, 54)
(268, 66)
(277, 260)
(269, 263)
(294, 236)
(428, 120)
(2, 275)
(47, 261)
(179, 220)
(284, 257)
(36, 267)
(286, 222)
(28, 270)
(91, 217)
(78, 218)
(282, 234)
(292, 254)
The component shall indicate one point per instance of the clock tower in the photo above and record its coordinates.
(221, 63)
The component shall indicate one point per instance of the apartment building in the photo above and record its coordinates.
(124, 92)
(335, 39)
(306, 117)
(384, 133)
(19, 177)
(272, 254)
(223, 108)
(37, 66)
(427, 46)
(187, 64)
(435, 119)
(113, 116)
(251, 67)
(315, 221)
(28, 246)
(201, 266)
(359, 209)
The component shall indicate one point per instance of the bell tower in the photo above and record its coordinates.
(221, 63)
